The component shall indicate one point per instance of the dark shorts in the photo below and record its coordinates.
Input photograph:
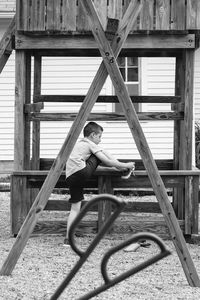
(77, 180)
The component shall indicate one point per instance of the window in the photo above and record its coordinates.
(129, 68)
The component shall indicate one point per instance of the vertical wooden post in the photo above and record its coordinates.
(178, 194)
(195, 205)
(105, 208)
(18, 207)
(186, 132)
(21, 141)
(186, 135)
(35, 161)
(22, 96)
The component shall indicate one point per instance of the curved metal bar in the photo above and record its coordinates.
(84, 254)
(111, 282)
(135, 238)
(119, 205)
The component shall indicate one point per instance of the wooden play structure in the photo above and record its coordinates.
(106, 28)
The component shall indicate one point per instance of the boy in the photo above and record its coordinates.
(83, 161)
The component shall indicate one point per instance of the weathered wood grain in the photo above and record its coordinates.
(150, 116)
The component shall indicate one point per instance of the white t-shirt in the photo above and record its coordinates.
(81, 152)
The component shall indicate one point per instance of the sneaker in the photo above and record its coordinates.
(66, 242)
(132, 247)
(144, 243)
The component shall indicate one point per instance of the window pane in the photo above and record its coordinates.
(133, 89)
(122, 70)
(121, 61)
(132, 61)
(133, 74)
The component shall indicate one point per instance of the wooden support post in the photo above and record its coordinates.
(59, 163)
(35, 161)
(6, 44)
(105, 207)
(191, 208)
(22, 96)
(178, 195)
(18, 205)
(142, 145)
(22, 140)
(186, 134)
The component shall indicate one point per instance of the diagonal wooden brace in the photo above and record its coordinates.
(109, 58)
(40, 202)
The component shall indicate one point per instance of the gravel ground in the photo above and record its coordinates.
(44, 263)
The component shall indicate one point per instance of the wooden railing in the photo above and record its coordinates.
(68, 16)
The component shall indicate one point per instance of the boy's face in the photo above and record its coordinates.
(96, 137)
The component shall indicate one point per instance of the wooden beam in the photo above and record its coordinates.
(6, 44)
(107, 99)
(34, 107)
(148, 116)
(128, 225)
(142, 145)
(137, 41)
(59, 163)
(22, 97)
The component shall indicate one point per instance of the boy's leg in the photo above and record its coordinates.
(75, 208)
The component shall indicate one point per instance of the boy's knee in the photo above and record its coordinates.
(76, 206)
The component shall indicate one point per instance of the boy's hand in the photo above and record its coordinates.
(130, 165)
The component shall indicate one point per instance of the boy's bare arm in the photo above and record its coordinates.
(111, 161)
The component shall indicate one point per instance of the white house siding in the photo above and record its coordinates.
(197, 85)
(64, 76)
(7, 80)
(157, 78)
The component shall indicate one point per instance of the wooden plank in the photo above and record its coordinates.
(34, 107)
(57, 167)
(195, 205)
(17, 204)
(193, 14)
(150, 116)
(163, 164)
(178, 15)
(113, 171)
(104, 207)
(115, 9)
(187, 124)
(82, 24)
(20, 99)
(143, 148)
(107, 99)
(50, 15)
(162, 15)
(87, 42)
(27, 128)
(59, 227)
(57, 15)
(131, 206)
(68, 16)
(128, 225)
(6, 44)
(146, 15)
(36, 124)
(21, 138)
(125, 5)
(101, 7)
(22, 15)
(188, 205)
(35, 161)
(37, 15)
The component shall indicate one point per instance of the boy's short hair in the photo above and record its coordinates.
(92, 127)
